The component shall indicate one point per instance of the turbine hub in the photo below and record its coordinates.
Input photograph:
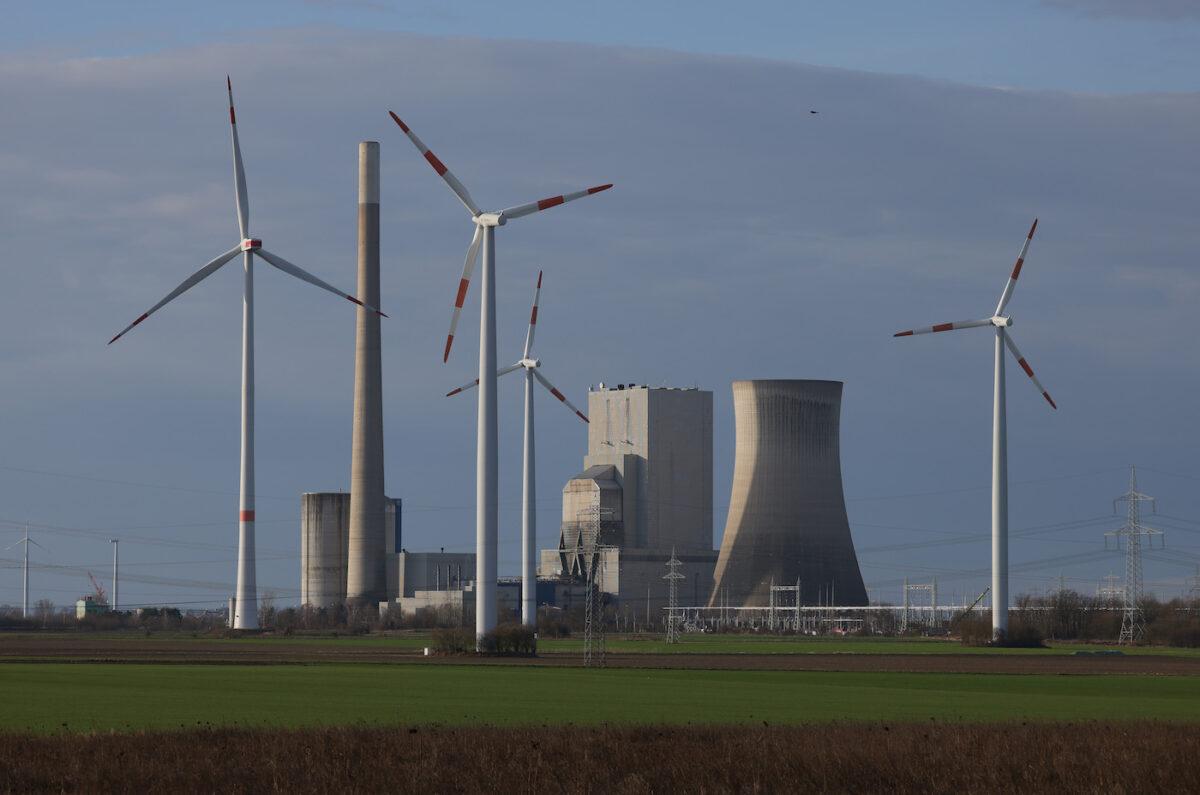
(1002, 322)
(531, 364)
(250, 244)
(489, 219)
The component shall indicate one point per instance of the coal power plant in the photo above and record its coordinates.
(787, 514)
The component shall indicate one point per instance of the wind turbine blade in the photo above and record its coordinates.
(188, 283)
(537, 294)
(463, 283)
(239, 173)
(545, 204)
(475, 383)
(1012, 280)
(955, 326)
(562, 398)
(1012, 347)
(36, 544)
(305, 276)
(460, 190)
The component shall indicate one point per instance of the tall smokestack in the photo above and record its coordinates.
(365, 575)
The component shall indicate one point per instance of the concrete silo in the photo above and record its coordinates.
(787, 513)
(325, 545)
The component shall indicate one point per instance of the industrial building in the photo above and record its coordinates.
(787, 513)
(325, 545)
(646, 489)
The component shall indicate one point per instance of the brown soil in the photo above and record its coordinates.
(1092, 757)
(281, 651)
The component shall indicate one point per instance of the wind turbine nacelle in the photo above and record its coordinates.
(531, 364)
(490, 219)
(1002, 322)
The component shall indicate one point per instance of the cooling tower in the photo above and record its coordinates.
(787, 514)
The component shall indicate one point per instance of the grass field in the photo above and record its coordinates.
(47, 697)
(653, 644)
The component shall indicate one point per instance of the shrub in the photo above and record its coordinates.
(453, 641)
(510, 640)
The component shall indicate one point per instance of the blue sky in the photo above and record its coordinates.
(745, 238)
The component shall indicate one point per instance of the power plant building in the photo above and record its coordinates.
(646, 489)
(787, 512)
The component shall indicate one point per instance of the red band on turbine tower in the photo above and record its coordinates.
(246, 516)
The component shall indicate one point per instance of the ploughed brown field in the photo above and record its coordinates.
(1068, 757)
(60, 648)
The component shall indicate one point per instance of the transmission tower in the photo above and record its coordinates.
(595, 560)
(1133, 625)
(673, 577)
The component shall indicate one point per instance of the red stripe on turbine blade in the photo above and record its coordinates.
(599, 188)
(246, 516)
(558, 395)
(232, 115)
(903, 334)
(585, 419)
(546, 204)
(449, 342)
(1017, 268)
(354, 300)
(396, 119)
(1025, 366)
(944, 327)
(539, 280)
(1032, 229)
(453, 392)
(462, 293)
(1050, 400)
(533, 317)
(438, 166)
(140, 319)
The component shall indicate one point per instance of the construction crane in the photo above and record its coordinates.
(101, 597)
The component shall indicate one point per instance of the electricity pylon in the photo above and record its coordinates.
(1133, 625)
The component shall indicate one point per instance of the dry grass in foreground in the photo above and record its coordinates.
(1078, 757)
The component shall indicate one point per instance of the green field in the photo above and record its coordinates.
(649, 644)
(71, 697)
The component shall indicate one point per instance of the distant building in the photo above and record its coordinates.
(647, 487)
(90, 606)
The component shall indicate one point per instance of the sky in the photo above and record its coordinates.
(745, 238)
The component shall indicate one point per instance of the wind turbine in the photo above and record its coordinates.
(25, 570)
(486, 443)
(1001, 323)
(528, 482)
(246, 609)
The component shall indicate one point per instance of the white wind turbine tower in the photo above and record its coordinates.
(1002, 323)
(486, 518)
(246, 606)
(528, 480)
(25, 570)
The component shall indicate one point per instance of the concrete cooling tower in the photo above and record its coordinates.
(787, 514)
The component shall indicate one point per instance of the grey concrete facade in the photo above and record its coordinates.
(367, 569)
(648, 482)
(325, 545)
(659, 440)
(409, 572)
(787, 513)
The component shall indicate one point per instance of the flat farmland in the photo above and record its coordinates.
(54, 697)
